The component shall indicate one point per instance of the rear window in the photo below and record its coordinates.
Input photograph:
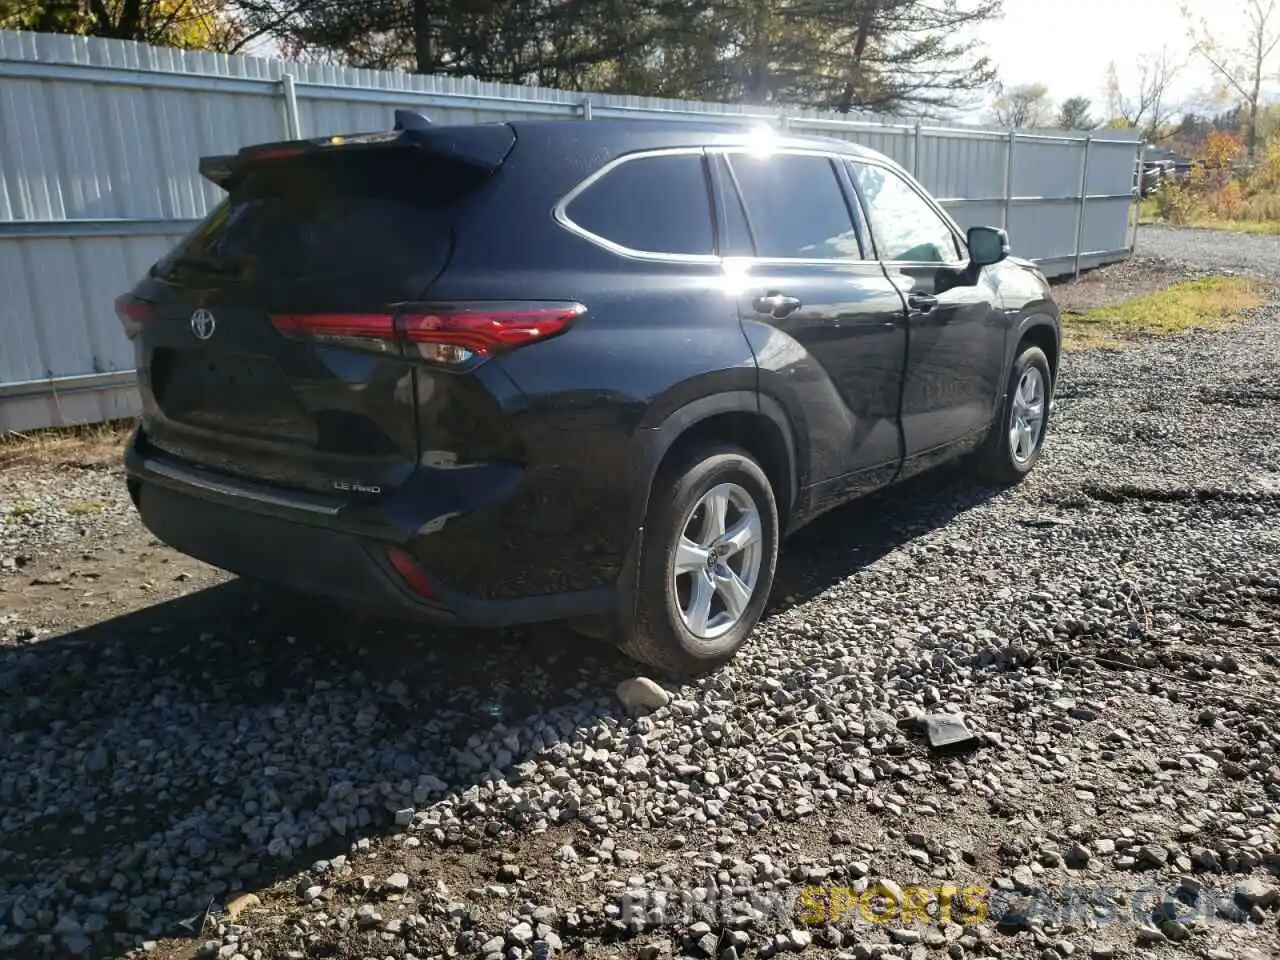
(339, 213)
(651, 204)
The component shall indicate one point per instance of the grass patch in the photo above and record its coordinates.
(1269, 227)
(84, 508)
(1210, 303)
(92, 445)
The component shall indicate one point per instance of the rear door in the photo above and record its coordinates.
(810, 279)
(956, 327)
(236, 374)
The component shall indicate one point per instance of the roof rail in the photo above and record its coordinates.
(411, 120)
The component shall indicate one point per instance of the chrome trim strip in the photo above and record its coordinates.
(191, 478)
(558, 212)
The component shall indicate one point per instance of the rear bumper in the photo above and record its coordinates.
(304, 542)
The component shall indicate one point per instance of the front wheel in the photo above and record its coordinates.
(709, 554)
(1017, 436)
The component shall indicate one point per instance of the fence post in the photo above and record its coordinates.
(1084, 196)
(585, 105)
(292, 125)
(1008, 178)
(915, 153)
(1137, 198)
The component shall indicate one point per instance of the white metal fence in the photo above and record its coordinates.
(99, 141)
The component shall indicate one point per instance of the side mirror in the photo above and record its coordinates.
(987, 245)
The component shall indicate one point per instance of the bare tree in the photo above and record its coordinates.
(1148, 107)
(1244, 65)
(1022, 105)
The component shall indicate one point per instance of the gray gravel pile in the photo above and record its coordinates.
(1108, 632)
(1256, 254)
(43, 512)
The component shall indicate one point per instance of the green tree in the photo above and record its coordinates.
(881, 55)
(1073, 114)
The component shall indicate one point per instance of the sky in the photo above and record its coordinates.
(1068, 44)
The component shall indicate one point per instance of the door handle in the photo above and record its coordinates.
(922, 302)
(776, 305)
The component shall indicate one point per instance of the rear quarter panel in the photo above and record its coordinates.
(656, 335)
(591, 397)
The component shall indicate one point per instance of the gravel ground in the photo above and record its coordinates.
(1108, 632)
(1244, 253)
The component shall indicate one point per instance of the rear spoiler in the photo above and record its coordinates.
(482, 145)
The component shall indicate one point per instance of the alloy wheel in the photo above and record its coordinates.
(715, 567)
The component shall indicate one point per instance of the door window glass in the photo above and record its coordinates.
(905, 227)
(796, 206)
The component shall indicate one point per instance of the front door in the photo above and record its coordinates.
(955, 327)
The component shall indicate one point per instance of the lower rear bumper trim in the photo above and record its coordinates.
(323, 561)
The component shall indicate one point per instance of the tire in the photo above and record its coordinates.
(663, 635)
(998, 460)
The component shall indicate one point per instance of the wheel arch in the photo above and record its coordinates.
(753, 421)
(1043, 332)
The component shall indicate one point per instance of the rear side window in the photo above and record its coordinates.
(340, 213)
(796, 206)
(653, 204)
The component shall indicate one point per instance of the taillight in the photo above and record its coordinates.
(453, 335)
(134, 313)
(274, 153)
(456, 333)
(363, 331)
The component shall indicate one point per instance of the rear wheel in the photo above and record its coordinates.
(709, 554)
(1017, 435)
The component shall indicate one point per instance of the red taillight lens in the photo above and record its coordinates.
(378, 326)
(133, 313)
(487, 329)
(274, 153)
(365, 331)
(447, 334)
(411, 573)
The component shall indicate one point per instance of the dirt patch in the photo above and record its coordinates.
(1205, 303)
(1117, 282)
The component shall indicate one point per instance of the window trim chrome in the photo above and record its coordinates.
(560, 215)
(560, 211)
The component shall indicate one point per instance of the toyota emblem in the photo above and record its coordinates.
(203, 324)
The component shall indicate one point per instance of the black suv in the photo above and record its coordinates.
(581, 371)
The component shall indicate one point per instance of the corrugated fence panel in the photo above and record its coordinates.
(1109, 205)
(967, 174)
(1045, 179)
(99, 142)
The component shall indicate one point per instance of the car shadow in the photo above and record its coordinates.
(838, 544)
(198, 725)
